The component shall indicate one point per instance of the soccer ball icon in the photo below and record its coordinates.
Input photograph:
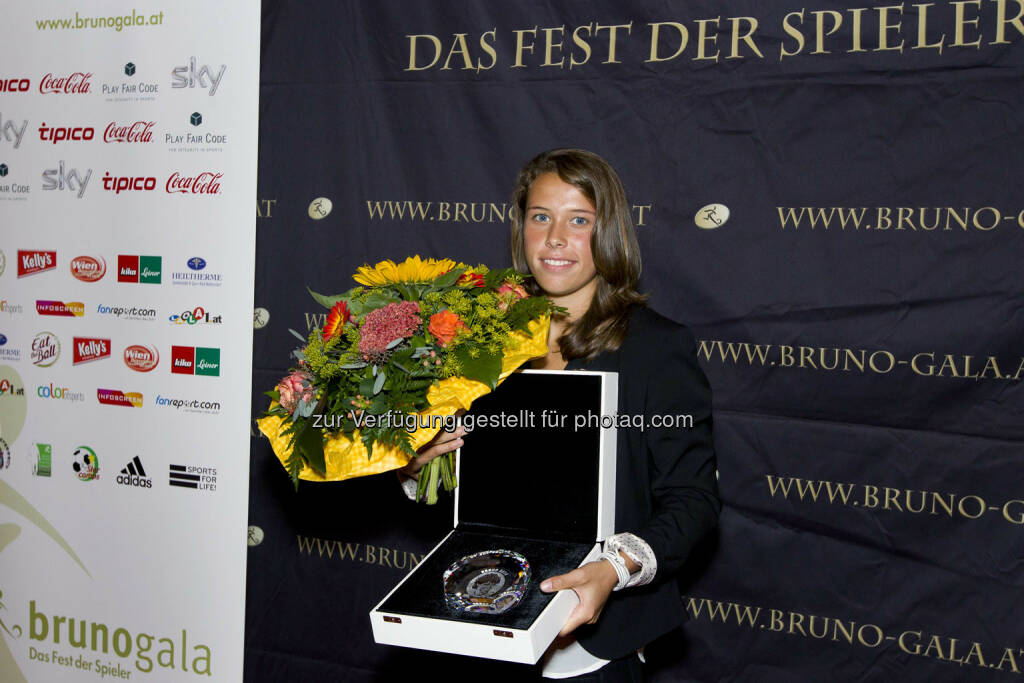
(85, 463)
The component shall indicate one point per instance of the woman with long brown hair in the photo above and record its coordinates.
(573, 230)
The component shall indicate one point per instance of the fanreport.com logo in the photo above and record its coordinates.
(189, 405)
(127, 312)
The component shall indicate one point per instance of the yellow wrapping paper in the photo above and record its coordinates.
(347, 459)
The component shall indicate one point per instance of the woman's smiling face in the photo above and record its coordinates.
(558, 224)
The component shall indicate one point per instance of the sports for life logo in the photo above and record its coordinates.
(195, 360)
(142, 269)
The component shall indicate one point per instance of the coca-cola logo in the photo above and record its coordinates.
(75, 84)
(206, 182)
(140, 131)
(141, 358)
(86, 349)
(88, 268)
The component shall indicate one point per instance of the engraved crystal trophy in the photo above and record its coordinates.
(488, 582)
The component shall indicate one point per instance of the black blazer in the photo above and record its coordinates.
(666, 490)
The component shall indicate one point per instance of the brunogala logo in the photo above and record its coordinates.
(141, 358)
(711, 216)
(88, 268)
(85, 463)
(320, 208)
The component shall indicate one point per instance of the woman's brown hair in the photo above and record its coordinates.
(613, 244)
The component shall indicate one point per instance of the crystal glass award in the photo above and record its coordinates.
(488, 582)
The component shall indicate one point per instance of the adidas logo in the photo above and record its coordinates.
(134, 474)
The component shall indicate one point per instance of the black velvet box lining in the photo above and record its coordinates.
(539, 480)
(422, 594)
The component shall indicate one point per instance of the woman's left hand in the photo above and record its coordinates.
(593, 583)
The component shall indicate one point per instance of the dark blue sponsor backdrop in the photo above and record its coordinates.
(858, 313)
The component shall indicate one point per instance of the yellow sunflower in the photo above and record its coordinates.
(413, 269)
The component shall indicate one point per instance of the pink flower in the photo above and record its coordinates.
(384, 325)
(509, 293)
(294, 388)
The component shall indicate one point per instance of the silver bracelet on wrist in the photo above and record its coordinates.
(621, 571)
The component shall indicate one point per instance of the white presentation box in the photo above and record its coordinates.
(537, 478)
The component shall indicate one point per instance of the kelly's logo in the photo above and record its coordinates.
(90, 348)
(74, 84)
(66, 179)
(139, 131)
(143, 269)
(31, 262)
(189, 76)
(195, 360)
(88, 268)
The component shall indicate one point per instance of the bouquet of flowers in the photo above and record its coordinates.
(397, 357)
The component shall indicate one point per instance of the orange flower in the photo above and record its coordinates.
(338, 316)
(470, 280)
(444, 326)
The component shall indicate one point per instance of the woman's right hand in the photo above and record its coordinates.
(443, 442)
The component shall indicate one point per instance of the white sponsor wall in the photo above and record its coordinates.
(128, 138)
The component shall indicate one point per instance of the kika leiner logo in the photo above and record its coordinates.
(143, 269)
(195, 360)
(134, 474)
(85, 463)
